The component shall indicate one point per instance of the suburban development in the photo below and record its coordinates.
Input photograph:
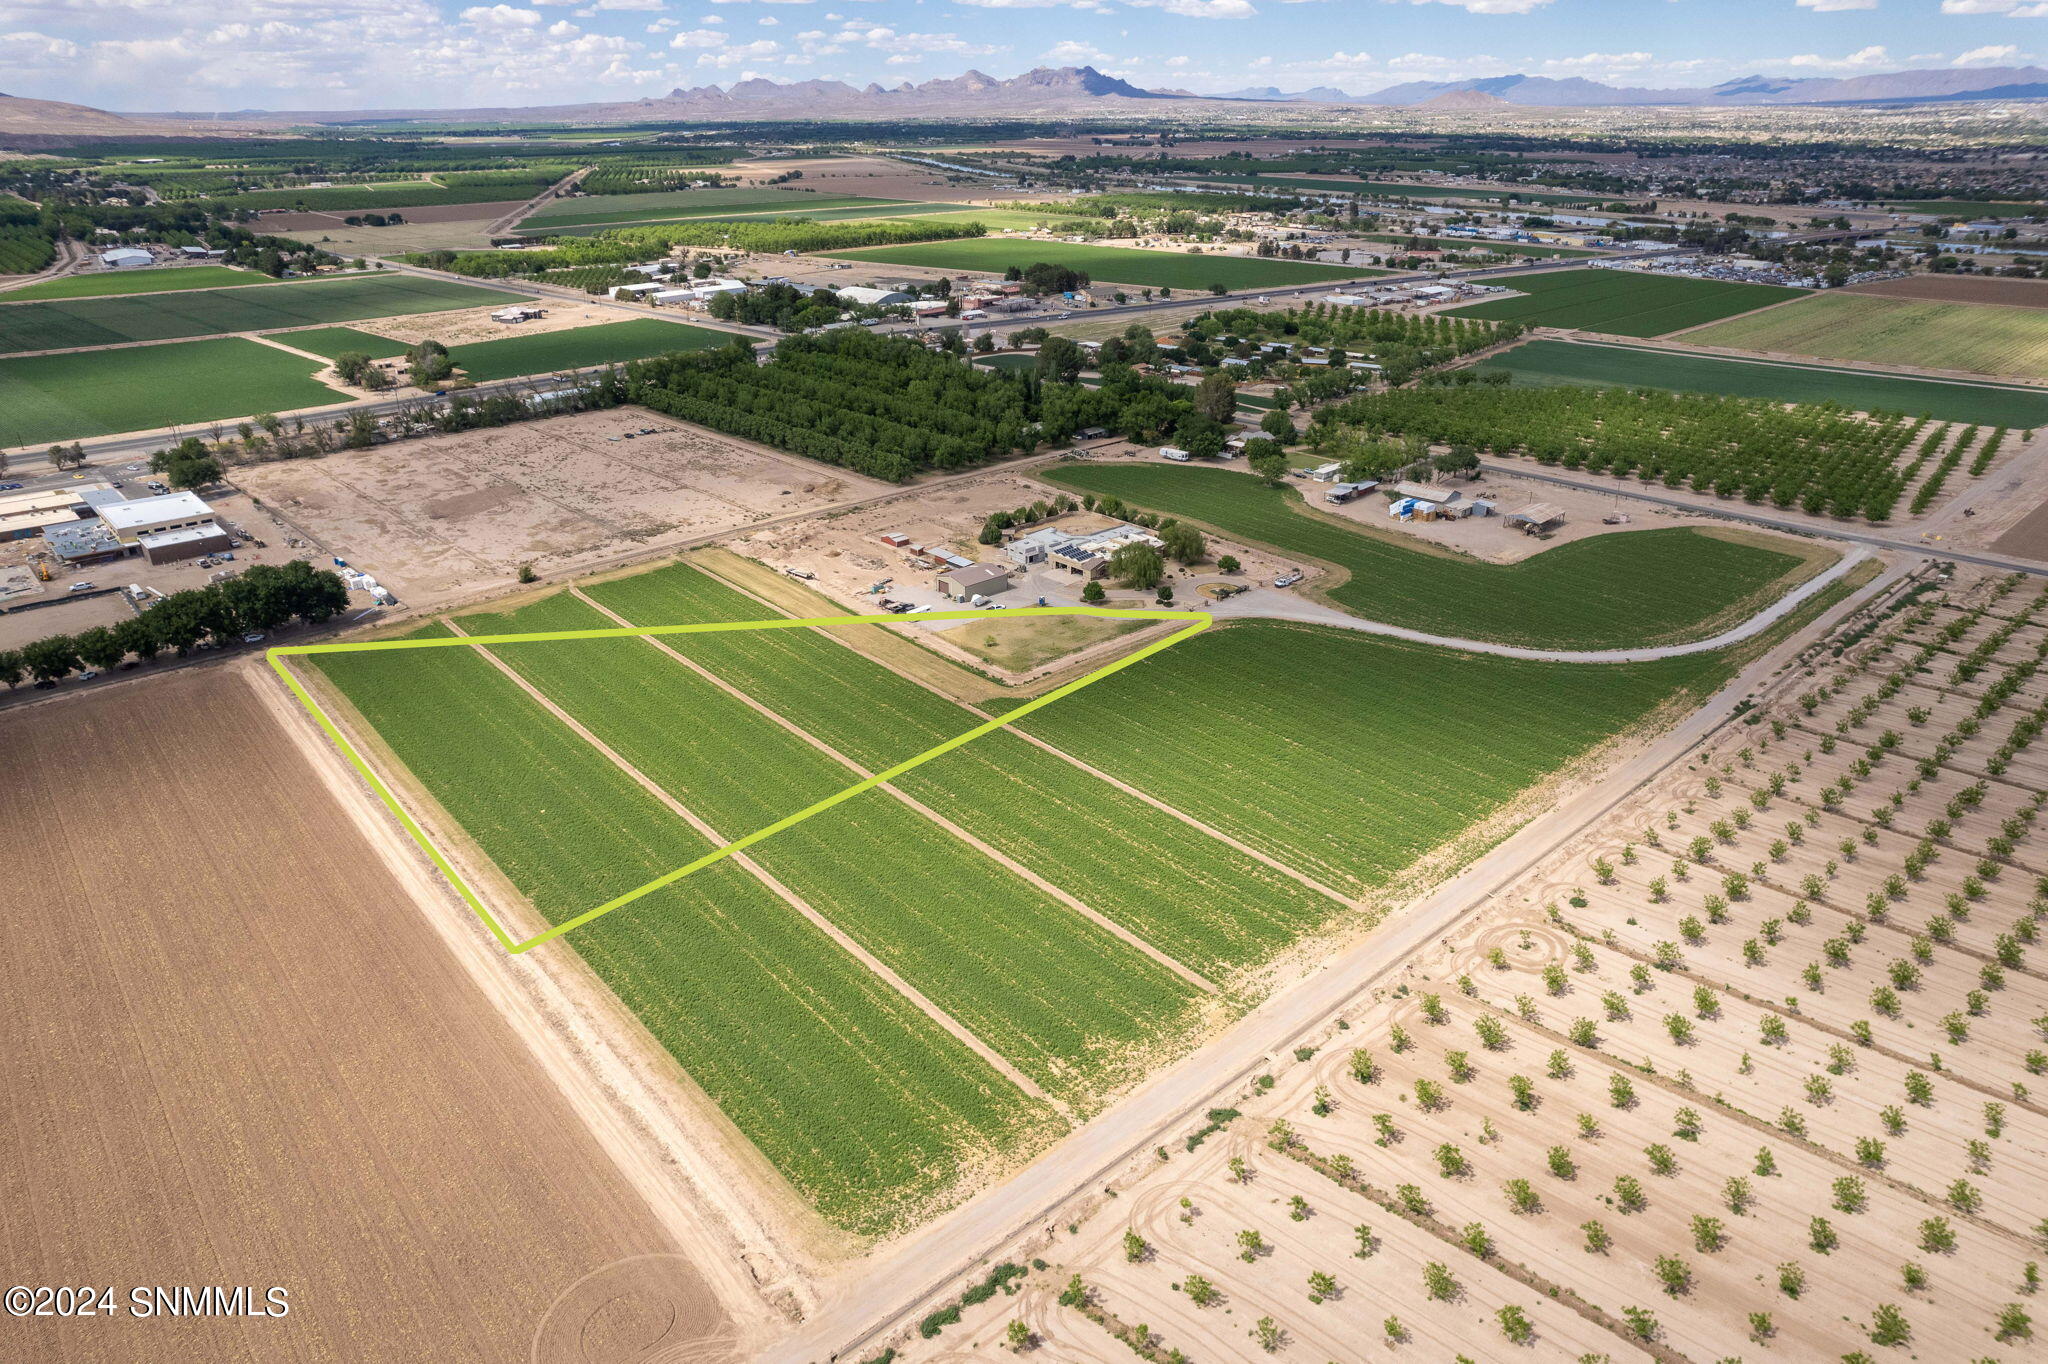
(875, 713)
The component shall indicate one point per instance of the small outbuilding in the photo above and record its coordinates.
(1426, 492)
(1537, 516)
(983, 580)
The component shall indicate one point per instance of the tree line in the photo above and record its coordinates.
(261, 597)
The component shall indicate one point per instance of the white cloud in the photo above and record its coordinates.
(1835, 6)
(2011, 9)
(735, 56)
(698, 37)
(1200, 9)
(1070, 51)
(1863, 60)
(1989, 55)
(500, 18)
(1489, 6)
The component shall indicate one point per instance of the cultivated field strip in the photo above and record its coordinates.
(870, 1109)
(1196, 899)
(1350, 757)
(57, 325)
(1060, 997)
(1623, 302)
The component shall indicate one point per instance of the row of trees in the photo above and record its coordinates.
(261, 597)
(627, 244)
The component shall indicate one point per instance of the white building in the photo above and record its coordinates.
(871, 298)
(126, 258)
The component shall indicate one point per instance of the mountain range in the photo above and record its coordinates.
(1895, 87)
(1069, 91)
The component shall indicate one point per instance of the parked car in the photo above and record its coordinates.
(8, 487)
(253, 637)
(1287, 579)
(81, 587)
(89, 674)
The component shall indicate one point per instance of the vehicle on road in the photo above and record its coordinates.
(81, 587)
(8, 487)
(253, 637)
(1289, 579)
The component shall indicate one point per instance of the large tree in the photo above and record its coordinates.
(1216, 397)
(1137, 565)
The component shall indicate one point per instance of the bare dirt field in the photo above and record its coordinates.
(1744, 1071)
(443, 516)
(2023, 293)
(240, 1056)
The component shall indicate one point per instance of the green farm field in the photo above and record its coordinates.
(869, 1108)
(1635, 589)
(1570, 362)
(334, 342)
(166, 280)
(1357, 765)
(581, 347)
(399, 194)
(1387, 189)
(56, 324)
(1971, 208)
(922, 212)
(1059, 996)
(1111, 264)
(675, 205)
(1975, 338)
(1622, 302)
(46, 398)
(1471, 244)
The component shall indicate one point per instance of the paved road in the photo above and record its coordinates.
(1268, 604)
(909, 1279)
(1873, 538)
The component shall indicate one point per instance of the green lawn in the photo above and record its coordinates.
(1622, 302)
(581, 347)
(152, 281)
(334, 342)
(55, 324)
(1568, 362)
(1342, 754)
(1106, 264)
(1977, 338)
(45, 398)
(867, 1106)
(1627, 590)
(685, 203)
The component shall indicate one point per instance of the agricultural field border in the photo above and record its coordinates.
(1199, 621)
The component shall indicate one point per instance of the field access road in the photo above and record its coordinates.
(1270, 604)
(1870, 538)
(913, 1277)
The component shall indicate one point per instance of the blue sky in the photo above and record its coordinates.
(309, 54)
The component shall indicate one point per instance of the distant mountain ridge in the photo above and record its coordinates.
(1079, 90)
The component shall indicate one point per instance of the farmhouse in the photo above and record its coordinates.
(982, 580)
(1084, 555)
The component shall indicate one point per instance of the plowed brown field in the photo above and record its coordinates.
(237, 1054)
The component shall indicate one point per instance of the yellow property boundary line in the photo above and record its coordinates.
(1200, 621)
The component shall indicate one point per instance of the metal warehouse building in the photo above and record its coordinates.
(163, 529)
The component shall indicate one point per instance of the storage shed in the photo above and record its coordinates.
(1536, 516)
(974, 580)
